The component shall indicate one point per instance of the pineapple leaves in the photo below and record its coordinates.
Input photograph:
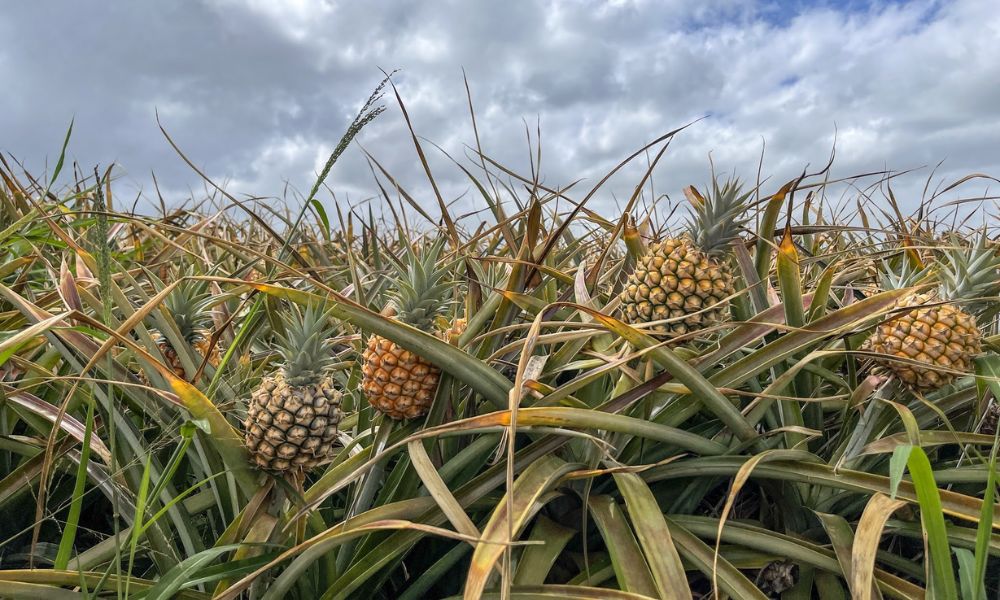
(749, 394)
(491, 384)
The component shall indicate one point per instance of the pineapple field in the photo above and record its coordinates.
(748, 389)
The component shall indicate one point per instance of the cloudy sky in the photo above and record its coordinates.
(257, 92)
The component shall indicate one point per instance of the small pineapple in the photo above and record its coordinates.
(188, 305)
(398, 382)
(937, 331)
(255, 275)
(292, 416)
(452, 330)
(687, 279)
(593, 253)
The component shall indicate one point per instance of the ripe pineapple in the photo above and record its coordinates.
(937, 331)
(292, 417)
(398, 382)
(687, 278)
(188, 306)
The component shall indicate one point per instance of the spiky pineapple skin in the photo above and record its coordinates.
(174, 361)
(397, 382)
(939, 335)
(292, 427)
(676, 280)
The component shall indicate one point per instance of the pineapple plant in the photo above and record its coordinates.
(188, 305)
(687, 278)
(593, 253)
(452, 330)
(292, 417)
(398, 382)
(937, 329)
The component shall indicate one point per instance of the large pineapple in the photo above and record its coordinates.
(940, 329)
(398, 382)
(687, 279)
(188, 305)
(292, 417)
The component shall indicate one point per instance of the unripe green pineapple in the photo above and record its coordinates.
(188, 306)
(293, 415)
(687, 279)
(398, 382)
(937, 331)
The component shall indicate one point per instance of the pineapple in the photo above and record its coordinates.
(936, 331)
(255, 275)
(593, 253)
(452, 330)
(188, 305)
(292, 417)
(687, 279)
(398, 382)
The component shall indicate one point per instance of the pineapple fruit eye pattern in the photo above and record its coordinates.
(683, 284)
(678, 283)
(478, 406)
(292, 416)
(938, 337)
(189, 307)
(398, 382)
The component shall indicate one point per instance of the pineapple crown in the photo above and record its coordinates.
(969, 271)
(902, 275)
(717, 216)
(305, 347)
(422, 286)
(189, 305)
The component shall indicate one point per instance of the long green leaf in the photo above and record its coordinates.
(629, 565)
(929, 498)
(488, 382)
(952, 503)
(654, 535)
(730, 579)
(185, 573)
(538, 478)
(536, 560)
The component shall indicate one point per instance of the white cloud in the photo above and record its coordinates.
(295, 18)
(258, 92)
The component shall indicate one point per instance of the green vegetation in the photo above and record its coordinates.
(568, 405)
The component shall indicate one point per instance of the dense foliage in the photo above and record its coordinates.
(569, 448)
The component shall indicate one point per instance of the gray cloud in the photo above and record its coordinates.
(257, 92)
